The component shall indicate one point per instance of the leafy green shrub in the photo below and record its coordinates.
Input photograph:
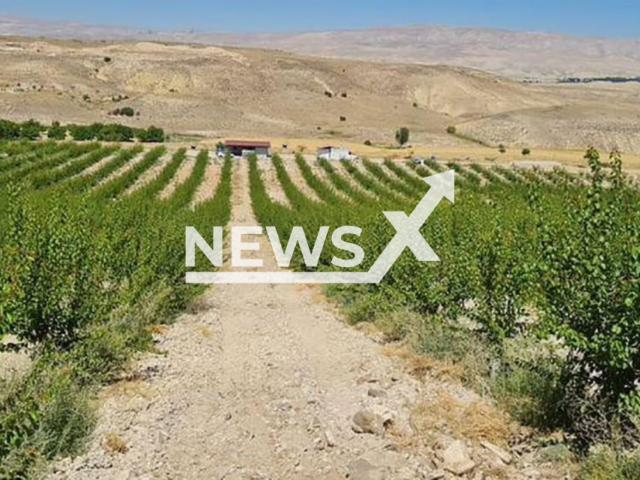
(56, 275)
(31, 130)
(56, 131)
(124, 112)
(151, 135)
(590, 278)
(9, 130)
(115, 133)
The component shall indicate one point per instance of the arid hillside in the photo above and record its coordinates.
(519, 54)
(222, 92)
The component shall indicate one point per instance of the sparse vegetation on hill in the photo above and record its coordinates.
(123, 112)
(482, 106)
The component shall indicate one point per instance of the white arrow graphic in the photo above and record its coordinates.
(407, 236)
(408, 228)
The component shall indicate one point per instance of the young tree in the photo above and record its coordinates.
(402, 136)
(81, 132)
(115, 133)
(30, 130)
(56, 131)
(151, 135)
(9, 130)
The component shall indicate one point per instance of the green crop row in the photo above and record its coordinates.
(370, 184)
(324, 191)
(87, 182)
(418, 185)
(115, 187)
(51, 177)
(343, 185)
(404, 188)
(45, 162)
(184, 193)
(155, 186)
(18, 154)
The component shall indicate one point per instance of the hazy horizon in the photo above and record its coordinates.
(588, 18)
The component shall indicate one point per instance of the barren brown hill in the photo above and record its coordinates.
(505, 52)
(222, 92)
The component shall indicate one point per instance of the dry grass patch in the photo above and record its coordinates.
(420, 365)
(204, 332)
(132, 387)
(475, 419)
(115, 444)
(157, 329)
(198, 305)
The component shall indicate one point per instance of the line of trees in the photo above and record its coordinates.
(599, 79)
(111, 132)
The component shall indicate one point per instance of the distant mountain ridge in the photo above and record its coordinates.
(511, 53)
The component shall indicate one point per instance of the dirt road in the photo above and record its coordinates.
(263, 382)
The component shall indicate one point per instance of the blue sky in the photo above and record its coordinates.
(611, 18)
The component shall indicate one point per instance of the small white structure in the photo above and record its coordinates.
(334, 153)
(245, 148)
